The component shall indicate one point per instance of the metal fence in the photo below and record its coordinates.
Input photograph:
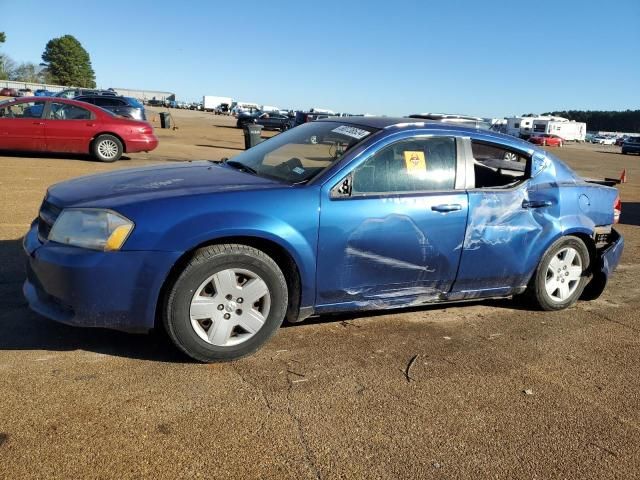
(127, 92)
(32, 86)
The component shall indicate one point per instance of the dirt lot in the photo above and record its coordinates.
(495, 391)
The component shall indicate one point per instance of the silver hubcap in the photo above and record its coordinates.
(563, 274)
(108, 148)
(510, 157)
(230, 307)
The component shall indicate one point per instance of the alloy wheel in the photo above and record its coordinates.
(230, 307)
(563, 274)
(108, 148)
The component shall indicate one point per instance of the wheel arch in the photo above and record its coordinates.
(579, 232)
(119, 137)
(276, 251)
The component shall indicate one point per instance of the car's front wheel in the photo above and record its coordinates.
(107, 148)
(561, 275)
(227, 302)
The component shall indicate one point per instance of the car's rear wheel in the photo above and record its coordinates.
(107, 148)
(561, 275)
(227, 302)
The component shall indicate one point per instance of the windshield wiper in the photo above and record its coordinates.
(241, 166)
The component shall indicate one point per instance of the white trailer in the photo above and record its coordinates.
(570, 131)
(210, 102)
(520, 126)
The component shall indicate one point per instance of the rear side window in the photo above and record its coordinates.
(108, 102)
(496, 166)
(416, 165)
(64, 111)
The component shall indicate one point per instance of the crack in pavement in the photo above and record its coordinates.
(262, 394)
(602, 315)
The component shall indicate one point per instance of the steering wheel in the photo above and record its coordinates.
(290, 165)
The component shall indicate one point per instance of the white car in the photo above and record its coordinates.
(602, 140)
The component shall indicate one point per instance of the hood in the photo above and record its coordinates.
(158, 181)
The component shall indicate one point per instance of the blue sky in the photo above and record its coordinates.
(385, 57)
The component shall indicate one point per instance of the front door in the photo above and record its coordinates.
(395, 237)
(21, 126)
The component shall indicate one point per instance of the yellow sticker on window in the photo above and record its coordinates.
(415, 162)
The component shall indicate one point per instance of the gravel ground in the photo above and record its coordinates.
(494, 390)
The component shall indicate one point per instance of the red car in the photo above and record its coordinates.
(546, 139)
(43, 124)
(8, 92)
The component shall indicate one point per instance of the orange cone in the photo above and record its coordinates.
(623, 176)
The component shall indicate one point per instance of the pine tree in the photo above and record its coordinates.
(68, 62)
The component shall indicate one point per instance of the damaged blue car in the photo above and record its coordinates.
(336, 215)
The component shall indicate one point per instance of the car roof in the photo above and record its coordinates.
(387, 123)
(70, 101)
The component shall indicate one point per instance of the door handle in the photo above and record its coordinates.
(38, 123)
(536, 203)
(90, 124)
(447, 207)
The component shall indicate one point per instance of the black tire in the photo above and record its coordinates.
(536, 290)
(206, 262)
(102, 153)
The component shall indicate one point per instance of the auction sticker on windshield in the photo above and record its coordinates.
(352, 132)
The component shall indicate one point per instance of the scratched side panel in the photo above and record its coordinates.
(503, 240)
(383, 252)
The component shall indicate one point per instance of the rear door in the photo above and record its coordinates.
(21, 126)
(510, 218)
(69, 128)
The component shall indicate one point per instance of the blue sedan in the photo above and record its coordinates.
(332, 216)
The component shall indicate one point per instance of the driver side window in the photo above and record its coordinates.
(415, 165)
(22, 110)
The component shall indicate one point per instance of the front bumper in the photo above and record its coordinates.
(80, 287)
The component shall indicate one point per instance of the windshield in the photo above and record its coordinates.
(301, 153)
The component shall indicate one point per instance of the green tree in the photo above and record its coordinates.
(26, 72)
(3, 72)
(68, 62)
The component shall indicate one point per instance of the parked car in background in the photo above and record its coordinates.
(620, 140)
(546, 139)
(25, 92)
(305, 117)
(603, 140)
(127, 107)
(269, 120)
(222, 109)
(463, 120)
(44, 93)
(412, 213)
(631, 145)
(8, 92)
(68, 126)
(75, 92)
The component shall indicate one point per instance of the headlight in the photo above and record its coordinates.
(91, 228)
